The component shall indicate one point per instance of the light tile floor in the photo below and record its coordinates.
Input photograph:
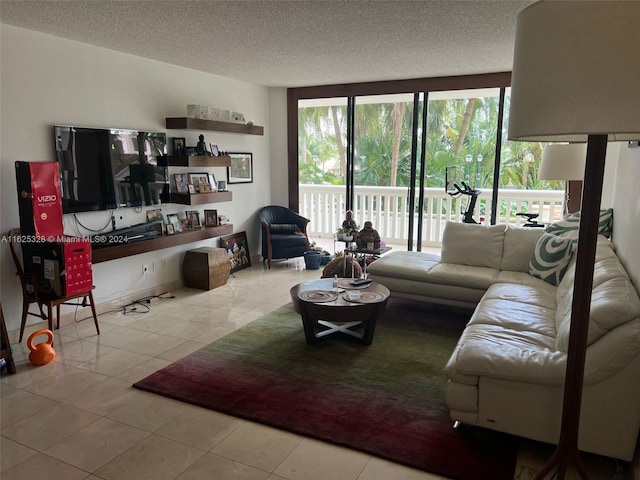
(79, 418)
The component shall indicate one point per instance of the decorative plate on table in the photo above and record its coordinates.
(317, 296)
(346, 284)
(365, 297)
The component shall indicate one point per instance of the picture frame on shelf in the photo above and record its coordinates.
(237, 249)
(178, 145)
(222, 186)
(186, 224)
(211, 218)
(212, 182)
(191, 188)
(169, 228)
(155, 215)
(174, 221)
(182, 182)
(214, 149)
(194, 216)
(196, 179)
(240, 169)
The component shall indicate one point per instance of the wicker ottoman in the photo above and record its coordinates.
(206, 268)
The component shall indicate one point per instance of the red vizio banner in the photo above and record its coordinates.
(40, 201)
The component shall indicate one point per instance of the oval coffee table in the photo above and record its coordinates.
(325, 312)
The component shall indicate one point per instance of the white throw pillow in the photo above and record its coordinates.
(518, 248)
(551, 257)
(472, 244)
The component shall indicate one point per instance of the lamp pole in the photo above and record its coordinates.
(467, 168)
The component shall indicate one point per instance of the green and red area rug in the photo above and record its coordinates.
(386, 399)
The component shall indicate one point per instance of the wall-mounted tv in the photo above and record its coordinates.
(107, 168)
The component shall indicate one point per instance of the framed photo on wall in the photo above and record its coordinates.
(241, 168)
(237, 249)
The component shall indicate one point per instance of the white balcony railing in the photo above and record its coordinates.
(388, 209)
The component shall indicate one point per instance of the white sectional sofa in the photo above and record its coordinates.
(507, 370)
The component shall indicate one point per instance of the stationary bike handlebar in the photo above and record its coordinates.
(467, 189)
(471, 204)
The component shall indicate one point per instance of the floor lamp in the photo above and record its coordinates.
(576, 78)
(565, 162)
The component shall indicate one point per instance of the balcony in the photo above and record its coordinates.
(388, 209)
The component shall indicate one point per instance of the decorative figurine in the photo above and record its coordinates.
(368, 236)
(349, 222)
(349, 228)
(201, 148)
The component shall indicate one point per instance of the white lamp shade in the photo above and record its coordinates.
(563, 162)
(576, 71)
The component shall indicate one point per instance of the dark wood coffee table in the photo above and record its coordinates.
(325, 312)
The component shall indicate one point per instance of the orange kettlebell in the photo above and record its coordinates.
(42, 353)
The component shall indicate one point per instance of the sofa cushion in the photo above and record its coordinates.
(474, 245)
(462, 276)
(537, 293)
(614, 301)
(515, 315)
(518, 247)
(498, 352)
(551, 256)
(406, 265)
(569, 225)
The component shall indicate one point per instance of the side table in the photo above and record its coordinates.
(206, 268)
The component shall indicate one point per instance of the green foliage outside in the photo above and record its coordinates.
(456, 128)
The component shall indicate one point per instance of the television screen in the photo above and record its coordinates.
(102, 169)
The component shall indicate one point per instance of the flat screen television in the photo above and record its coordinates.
(103, 169)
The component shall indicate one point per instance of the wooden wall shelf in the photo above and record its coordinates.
(194, 161)
(186, 123)
(105, 254)
(197, 198)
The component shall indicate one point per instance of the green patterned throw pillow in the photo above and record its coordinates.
(569, 225)
(551, 256)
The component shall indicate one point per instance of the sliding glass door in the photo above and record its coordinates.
(322, 162)
(386, 155)
(382, 162)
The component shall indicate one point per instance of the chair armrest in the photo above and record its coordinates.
(266, 231)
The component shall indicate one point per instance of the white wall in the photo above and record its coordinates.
(626, 210)
(279, 164)
(47, 80)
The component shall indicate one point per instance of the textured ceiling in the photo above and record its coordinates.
(291, 43)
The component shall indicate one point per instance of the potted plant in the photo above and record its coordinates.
(346, 234)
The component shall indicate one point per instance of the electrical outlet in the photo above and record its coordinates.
(145, 269)
(163, 263)
(156, 265)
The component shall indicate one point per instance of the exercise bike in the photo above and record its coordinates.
(531, 220)
(472, 193)
(457, 191)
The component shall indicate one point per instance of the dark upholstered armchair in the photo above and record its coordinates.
(284, 233)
